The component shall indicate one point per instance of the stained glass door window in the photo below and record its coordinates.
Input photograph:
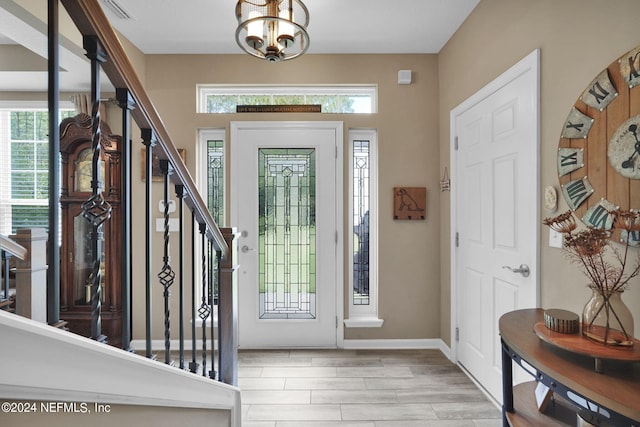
(286, 182)
(287, 233)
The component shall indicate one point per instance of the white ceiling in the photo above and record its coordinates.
(208, 27)
(335, 26)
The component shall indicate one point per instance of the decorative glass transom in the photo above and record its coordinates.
(287, 229)
(340, 99)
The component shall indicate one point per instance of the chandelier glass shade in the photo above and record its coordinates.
(275, 30)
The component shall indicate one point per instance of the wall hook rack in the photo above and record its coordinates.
(445, 182)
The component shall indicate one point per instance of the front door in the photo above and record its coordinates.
(496, 215)
(284, 198)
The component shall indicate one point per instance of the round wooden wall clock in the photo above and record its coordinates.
(599, 148)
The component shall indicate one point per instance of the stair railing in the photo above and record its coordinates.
(8, 248)
(107, 54)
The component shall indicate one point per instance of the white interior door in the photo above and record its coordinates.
(284, 178)
(496, 215)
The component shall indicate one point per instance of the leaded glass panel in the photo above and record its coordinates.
(215, 180)
(361, 200)
(215, 203)
(287, 233)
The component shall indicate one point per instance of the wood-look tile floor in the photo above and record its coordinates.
(359, 388)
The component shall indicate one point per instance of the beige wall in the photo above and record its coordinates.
(577, 39)
(18, 58)
(408, 142)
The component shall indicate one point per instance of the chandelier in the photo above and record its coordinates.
(275, 30)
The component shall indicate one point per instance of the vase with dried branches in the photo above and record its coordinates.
(605, 318)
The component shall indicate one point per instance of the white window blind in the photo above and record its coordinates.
(24, 165)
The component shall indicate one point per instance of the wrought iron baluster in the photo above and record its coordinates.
(166, 275)
(204, 311)
(217, 302)
(53, 252)
(193, 365)
(5, 284)
(96, 209)
(126, 103)
(180, 195)
(211, 281)
(149, 140)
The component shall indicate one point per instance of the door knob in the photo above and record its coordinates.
(523, 269)
(246, 249)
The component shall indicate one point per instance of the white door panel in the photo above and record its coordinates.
(496, 215)
(285, 178)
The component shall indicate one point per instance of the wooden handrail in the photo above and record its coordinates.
(90, 19)
(15, 249)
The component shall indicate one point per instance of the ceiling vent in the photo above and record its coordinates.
(118, 10)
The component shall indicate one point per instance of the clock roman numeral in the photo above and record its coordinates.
(600, 92)
(630, 66)
(633, 74)
(569, 159)
(577, 125)
(577, 191)
(598, 216)
(633, 237)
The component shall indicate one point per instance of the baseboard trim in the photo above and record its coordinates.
(380, 344)
(399, 344)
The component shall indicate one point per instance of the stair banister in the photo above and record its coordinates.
(31, 274)
(131, 96)
(90, 19)
(11, 246)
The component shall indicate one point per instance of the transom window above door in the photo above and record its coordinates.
(340, 99)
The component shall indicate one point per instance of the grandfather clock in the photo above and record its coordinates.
(76, 257)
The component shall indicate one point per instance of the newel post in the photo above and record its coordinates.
(31, 274)
(228, 311)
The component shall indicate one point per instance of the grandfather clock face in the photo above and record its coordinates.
(84, 171)
(599, 149)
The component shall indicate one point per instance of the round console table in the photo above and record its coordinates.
(612, 395)
(576, 343)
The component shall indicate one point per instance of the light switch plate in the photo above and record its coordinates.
(172, 206)
(555, 239)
